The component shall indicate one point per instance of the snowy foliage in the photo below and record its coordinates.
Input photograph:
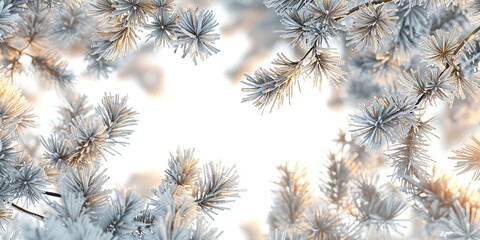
(397, 61)
(83, 208)
(36, 36)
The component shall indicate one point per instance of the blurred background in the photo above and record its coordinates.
(188, 106)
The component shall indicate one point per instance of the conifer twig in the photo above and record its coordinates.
(27, 211)
(52, 194)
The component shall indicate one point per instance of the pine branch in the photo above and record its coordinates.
(409, 157)
(116, 116)
(182, 168)
(335, 182)
(468, 159)
(291, 198)
(217, 185)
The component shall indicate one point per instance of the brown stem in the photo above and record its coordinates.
(373, 3)
(52, 194)
(20, 51)
(309, 51)
(465, 40)
(27, 212)
(439, 76)
(14, 63)
(419, 100)
(354, 9)
(29, 42)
